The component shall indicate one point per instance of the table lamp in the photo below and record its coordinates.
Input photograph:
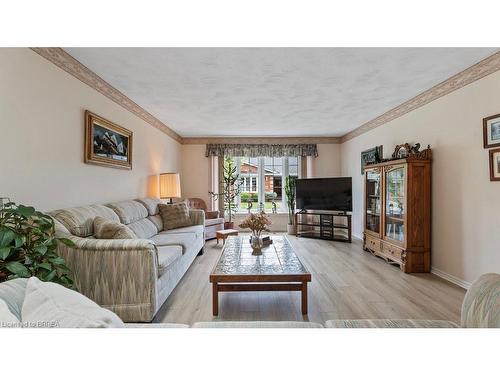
(170, 186)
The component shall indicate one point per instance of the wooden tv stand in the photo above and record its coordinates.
(324, 225)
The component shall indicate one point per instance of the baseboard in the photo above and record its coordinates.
(452, 279)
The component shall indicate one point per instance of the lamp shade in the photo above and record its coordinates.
(170, 185)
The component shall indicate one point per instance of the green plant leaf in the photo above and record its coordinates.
(41, 249)
(18, 269)
(50, 276)
(67, 242)
(25, 211)
(46, 266)
(19, 240)
(57, 261)
(4, 252)
(6, 237)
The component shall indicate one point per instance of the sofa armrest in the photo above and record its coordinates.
(119, 275)
(197, 217)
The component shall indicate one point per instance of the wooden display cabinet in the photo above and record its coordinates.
(397, 211)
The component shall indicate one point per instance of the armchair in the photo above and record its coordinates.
(213, 219)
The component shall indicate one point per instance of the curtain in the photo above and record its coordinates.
(256, 150)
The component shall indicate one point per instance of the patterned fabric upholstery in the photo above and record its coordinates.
(258, 324)
(129, 277)
(151, 205)
(129, 211)
(107, 229)
(80, 220)
(143, 228)
(390, 323)
(166, 256)
(174, 215)
(157, 221)
(481, 306)
(213, 222)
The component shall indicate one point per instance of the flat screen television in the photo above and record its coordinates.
(324, 194)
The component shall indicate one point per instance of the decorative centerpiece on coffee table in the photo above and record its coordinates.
(257, 223)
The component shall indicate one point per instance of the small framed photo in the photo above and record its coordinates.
(491, 131)
(495, 164)
(106, 143)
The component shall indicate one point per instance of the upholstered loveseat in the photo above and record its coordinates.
(131, 277)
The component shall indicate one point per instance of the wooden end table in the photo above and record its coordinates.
(225, 233)
(277, 269)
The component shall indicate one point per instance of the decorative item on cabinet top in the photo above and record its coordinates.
(371, 156)
(407, 151)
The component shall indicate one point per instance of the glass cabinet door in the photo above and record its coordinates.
(395, 180)
(373, 187)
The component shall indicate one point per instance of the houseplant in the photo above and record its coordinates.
(257, 223)
(231, 188)
(28, 246)
(290, 202)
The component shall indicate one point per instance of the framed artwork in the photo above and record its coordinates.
(371, 156)
(107, 143)
(495, 164)
(491, 131)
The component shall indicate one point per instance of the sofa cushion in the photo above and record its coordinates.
(185, 240)
(217, 221)
(175, 215)
(50, 302)
(390, 323)
(157, 221)
(166, 256)
(151, 205)
(129, 211)
(12, 292)
(111, 230)
(256, 324)
(143, 228)
(80, 220)
(7, 319)
(196, 229)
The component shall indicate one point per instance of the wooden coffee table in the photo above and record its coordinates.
(277, 269)
(224, 234)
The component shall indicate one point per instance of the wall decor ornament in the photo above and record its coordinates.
(491, 131)
(371, 156)
(107, 143)
(495, 164)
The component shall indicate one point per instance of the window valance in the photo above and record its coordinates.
(256, 150)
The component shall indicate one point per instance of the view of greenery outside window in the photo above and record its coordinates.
(268, 174)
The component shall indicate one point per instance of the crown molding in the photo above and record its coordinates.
(475, 72)
(259, 140)
(72, 66)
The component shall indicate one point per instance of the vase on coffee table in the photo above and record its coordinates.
(256, 244)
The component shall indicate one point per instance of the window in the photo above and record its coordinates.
(262, 182)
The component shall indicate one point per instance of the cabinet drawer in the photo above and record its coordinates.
(391, 251)
(372, 244)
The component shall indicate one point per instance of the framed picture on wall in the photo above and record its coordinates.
(491, 131)
(495, 164)
(373, 155)
(107, 143)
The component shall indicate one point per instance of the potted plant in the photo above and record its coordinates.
(231, 188)
(290, 202)
(257, 223)
(28, 246)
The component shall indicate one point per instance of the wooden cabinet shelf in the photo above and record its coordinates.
(400, 192)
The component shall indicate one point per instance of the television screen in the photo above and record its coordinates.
(329, 194)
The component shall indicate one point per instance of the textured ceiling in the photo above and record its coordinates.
(273, 91)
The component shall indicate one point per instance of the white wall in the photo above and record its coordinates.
(42, 136)
(327, 164)
(195, 172)
(466, 205)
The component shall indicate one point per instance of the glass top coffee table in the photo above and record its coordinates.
(277, 269)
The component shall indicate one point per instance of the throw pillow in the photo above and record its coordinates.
(108, 230)
(7, 319)
(52, 305)
(174, 215)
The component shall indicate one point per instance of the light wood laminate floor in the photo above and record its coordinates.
(347, 283)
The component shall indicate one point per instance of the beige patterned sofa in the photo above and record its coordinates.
(131, 277)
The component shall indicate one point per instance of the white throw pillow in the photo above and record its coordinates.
(7, 319)
(48, 304)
